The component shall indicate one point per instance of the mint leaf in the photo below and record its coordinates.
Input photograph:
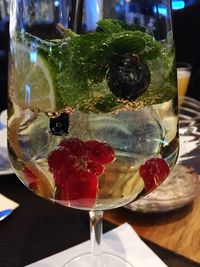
(152, 47)
(127, 42)
(107, 103)
(111, 25)
(86, 59)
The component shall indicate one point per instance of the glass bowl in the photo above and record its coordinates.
(189, 110)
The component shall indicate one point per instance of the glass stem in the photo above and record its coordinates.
(96, 236)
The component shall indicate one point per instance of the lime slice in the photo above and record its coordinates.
(33, 80)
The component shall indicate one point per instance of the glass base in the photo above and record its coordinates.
(107, 260)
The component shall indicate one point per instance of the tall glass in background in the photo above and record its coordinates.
(183, 76)
(92, 111)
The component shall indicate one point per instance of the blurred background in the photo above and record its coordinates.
(186, 23)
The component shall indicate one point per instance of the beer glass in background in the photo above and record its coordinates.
(183, 76)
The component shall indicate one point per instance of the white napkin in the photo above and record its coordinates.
(6, 203)
(122, 241)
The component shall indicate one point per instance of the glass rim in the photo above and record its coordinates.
(183, 65)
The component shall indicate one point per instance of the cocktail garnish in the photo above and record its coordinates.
(59, 125)
(78, 70)
(153, 172)
(99, 152)
(76, 166)
(78, 187)
(128, 77)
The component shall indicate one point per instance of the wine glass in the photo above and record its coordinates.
(92, 111)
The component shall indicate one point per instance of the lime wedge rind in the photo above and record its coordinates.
(33, 80)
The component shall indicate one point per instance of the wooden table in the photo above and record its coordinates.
(178, 230)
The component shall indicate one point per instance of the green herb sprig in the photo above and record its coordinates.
(82, 61)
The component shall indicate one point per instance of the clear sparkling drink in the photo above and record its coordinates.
(92, 117)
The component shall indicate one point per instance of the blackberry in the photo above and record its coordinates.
(128, 77)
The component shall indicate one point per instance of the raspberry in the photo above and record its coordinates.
(77, 187)
(76, 165)
(153, 172)
(61, 159)
(99, 152)
(95, 168)
(61, 177)
(31, 178)
(74, 145)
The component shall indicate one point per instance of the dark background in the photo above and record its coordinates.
(187, 40)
